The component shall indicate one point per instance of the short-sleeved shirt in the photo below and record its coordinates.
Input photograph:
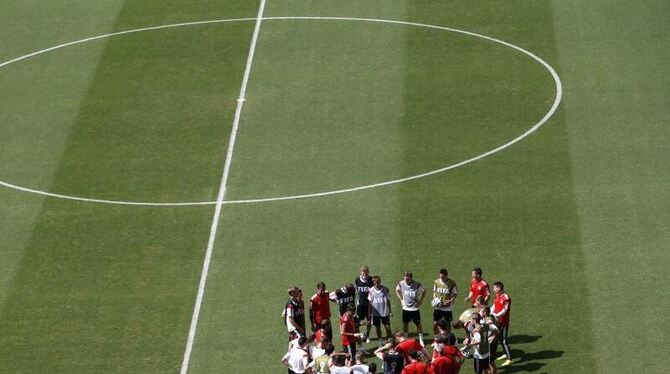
(415, 368)
(340, 370)
(362, 288)
(444, 291)
(444, 365)
(393, 363)
(411, 293)
(481, 349)
(480, 288)
(360, 369)
(320, 306)
(407, 345)
(343, 298)
(499, 305)
(347, 325)
(297, 359)
(321, 364)
(379, 300)
(296, 310)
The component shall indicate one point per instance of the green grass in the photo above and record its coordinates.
(574, 219)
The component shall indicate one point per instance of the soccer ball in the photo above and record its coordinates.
(465, 316)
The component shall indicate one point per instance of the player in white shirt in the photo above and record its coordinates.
(379, 307)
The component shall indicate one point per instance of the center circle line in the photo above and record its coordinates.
(543, 120)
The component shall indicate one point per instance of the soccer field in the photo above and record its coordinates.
(526, 137)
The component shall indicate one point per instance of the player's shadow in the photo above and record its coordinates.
(527, 361)
(523, 339)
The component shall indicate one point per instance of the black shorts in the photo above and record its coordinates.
(481, 365)
(376, 321)
(361, 313)
(411, 315)
(493, 349)
(441, 314)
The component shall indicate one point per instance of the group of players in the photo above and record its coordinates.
(367, 302)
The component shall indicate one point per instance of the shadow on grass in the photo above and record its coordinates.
(522, 339)
(527, 361)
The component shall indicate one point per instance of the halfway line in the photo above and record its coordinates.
(222, 193)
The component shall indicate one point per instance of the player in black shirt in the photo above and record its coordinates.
(343, 297)
(363, 284)
(393, 361)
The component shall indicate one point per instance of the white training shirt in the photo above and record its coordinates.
(378, 299)
(297, 359)
(360, 369)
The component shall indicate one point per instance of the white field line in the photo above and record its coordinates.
(547, 116)
(222, 193)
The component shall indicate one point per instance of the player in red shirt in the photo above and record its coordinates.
(319, 309)
(415, 366)
(405, 345)
(502, 305)
(478, 287)
(444, 364)
(348, 330)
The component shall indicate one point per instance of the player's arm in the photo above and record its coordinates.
(469, 297)
(305, 363)
(311, 314)
(284, 360)
(422, 291)
(370, 306)
(504, 310)
(487, 295)
(424, 355)
(398, 292)
(435, 294)
(380, 352)
(291, 320)
(388, 303)
(495, 335)
(342, 332)
(476, 339)
(332, 297)
(454, 294)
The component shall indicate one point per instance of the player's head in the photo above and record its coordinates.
(413, 355)
(330, 348)
(480, 300)
(399, 337)
(360, 357)
(475, 317)
(348, 287)
(376, 280)
(443, 274)
(365, 272)
(498, 287)
(339, 360)
(323, 341)
(372, 367)
(351, 309)
(302, 341)
(321, 288)
(485, 311)
(407, 276)
(477, 273)
(293, 292)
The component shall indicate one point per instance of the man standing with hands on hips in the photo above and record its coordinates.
(411, 294)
